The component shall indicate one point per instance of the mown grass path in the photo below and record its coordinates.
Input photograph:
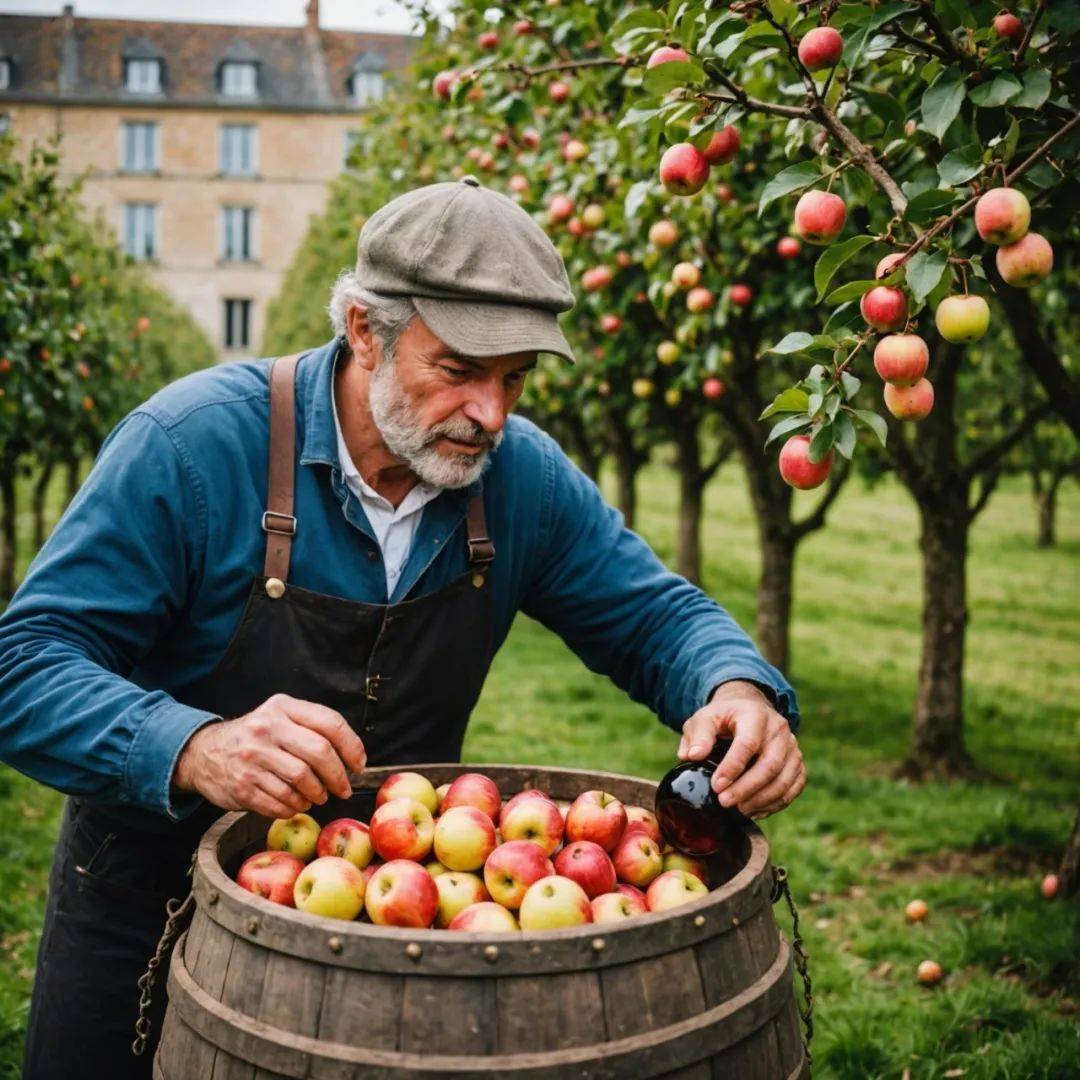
(858, 845)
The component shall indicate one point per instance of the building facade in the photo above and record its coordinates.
(207, 147)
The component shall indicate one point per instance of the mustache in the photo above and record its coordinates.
(464, 431)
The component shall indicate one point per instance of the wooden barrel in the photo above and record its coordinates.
(258, 990)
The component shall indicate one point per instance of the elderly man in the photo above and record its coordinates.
(278, 572)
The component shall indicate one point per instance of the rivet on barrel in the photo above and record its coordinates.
(413, 951)
(598, 944)
(735, 920)
(699, 920)
(253, 926)
(491, 953)
(335, 944)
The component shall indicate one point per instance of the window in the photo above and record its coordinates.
(367, 83)
(237, 233)
(140, 230)
(5, 73)
(238, 149)
(143, 76)
(140, 147)
(237, 324)
(239, 79)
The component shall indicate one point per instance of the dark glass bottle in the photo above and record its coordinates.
(691, 818)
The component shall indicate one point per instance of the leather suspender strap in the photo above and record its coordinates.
(278, 522)
(481, 549)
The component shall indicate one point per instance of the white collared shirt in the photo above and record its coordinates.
(394, 527)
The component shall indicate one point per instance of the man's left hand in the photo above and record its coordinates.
(740, 711)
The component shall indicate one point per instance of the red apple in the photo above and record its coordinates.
(686, 275)
(901, 359)
(587, 864)
(796, 468)
(699, 300)
(489, 39)
(886, 263)
(554, 903)
(457, 891)
(443, 84)
(408, 785)
(500, 140)
(558, 92)
(331, 887)
(519, 184)
(722, 147)
(929, 972)
(523, 28)
(464, 838)
(596, 278)
(674, 888)
(522, 796)
(512, 867)
(630, 890)
(641, 820)
(821, 48)
(575, 227)
(1007, 25)
(374, 865)
(575, 150)
(741, 295)
(819, 217)
(298, 835)
(665, 54)
(346, 838)
(402, 829)
(637, 859)
(663, 234)
(614, 907)
(1050, 886)
(270, 874)
(683, 169)
(962, 318)
(530, 138)
(910, 402)
(538, 821)
(884, 308)
(676, 860)
(611, 324)
(484, 918)
(713, 388)
(787, 247)
(560, 207)
(440, 792)
(667, 352)
(1026, 262)
(402, 893)
(1002, 215)
(624, 260)
(596, 816)
(474, 789)
(917, 911)
(724, 193)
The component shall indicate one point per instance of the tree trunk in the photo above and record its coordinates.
(691, 485)
(1069, 872)
(583, 449)
(1046, 504)
(41, 488)
(626, 468)
(7, 530)
(71, 479)
(937, 748)
(775, 590)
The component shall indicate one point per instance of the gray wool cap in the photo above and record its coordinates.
(485, 278)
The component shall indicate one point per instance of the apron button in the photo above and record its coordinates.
(275, 588)
(478, 581)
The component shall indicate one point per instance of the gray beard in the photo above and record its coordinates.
(406, 438)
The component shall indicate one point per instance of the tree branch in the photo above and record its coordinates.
(987, 482)
(937, 28)
(816, 518)
(1018, 59)
(989, 457)
(739, 97)
(565, 65)
(904, 461)
(723, 452)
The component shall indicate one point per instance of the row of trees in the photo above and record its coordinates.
(84, 336)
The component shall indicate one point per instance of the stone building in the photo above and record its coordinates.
(207, 147)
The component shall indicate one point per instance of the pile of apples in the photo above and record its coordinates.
(458, 858)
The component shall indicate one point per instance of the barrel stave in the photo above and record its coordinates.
(651, 993)
(537, 1011)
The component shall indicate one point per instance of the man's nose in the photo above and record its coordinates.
(486, 406)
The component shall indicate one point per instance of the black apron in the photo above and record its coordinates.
(406, 677)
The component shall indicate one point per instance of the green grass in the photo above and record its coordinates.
(858, 845)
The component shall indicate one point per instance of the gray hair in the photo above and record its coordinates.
(389, 316)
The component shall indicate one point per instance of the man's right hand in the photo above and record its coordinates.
(277, 760)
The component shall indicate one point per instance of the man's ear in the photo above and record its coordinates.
(361, 339)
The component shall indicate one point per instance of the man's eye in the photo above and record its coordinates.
(454, 370)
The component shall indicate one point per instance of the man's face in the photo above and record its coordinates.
(440, 412)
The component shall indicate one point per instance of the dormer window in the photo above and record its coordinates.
(142, 76)
(367, 84)
(239, 79)
(5, 73)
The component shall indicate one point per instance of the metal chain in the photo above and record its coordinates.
(176, 910)
(802, 960)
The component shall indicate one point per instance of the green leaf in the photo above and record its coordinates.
(637, 195)
(792, 400)
(961, 165)
(851, 291)
(884, 106)
(1036, 89)
(941, 101)
(785, 12)
(845, 435)
(637, 116)
(1009, 144)
(787, 427)
(821, 443)
(923, 271)
(792, 343)
(793, 178)
(875, 423)
(637, 17)
(833, 258)
(996, 92)
(927, 204)
(813, 405)
(832, 405)
(850, 384)
(664, 77)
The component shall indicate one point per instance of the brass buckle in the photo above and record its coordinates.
(289, 528)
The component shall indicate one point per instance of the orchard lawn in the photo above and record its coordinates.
(858, 845)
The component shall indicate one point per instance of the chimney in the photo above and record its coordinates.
(69, 16)
(312, 10)
(68, 76)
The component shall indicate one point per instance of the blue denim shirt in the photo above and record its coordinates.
(141, 585)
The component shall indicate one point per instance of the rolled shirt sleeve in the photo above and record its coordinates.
(601, 588)
(113, 575)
